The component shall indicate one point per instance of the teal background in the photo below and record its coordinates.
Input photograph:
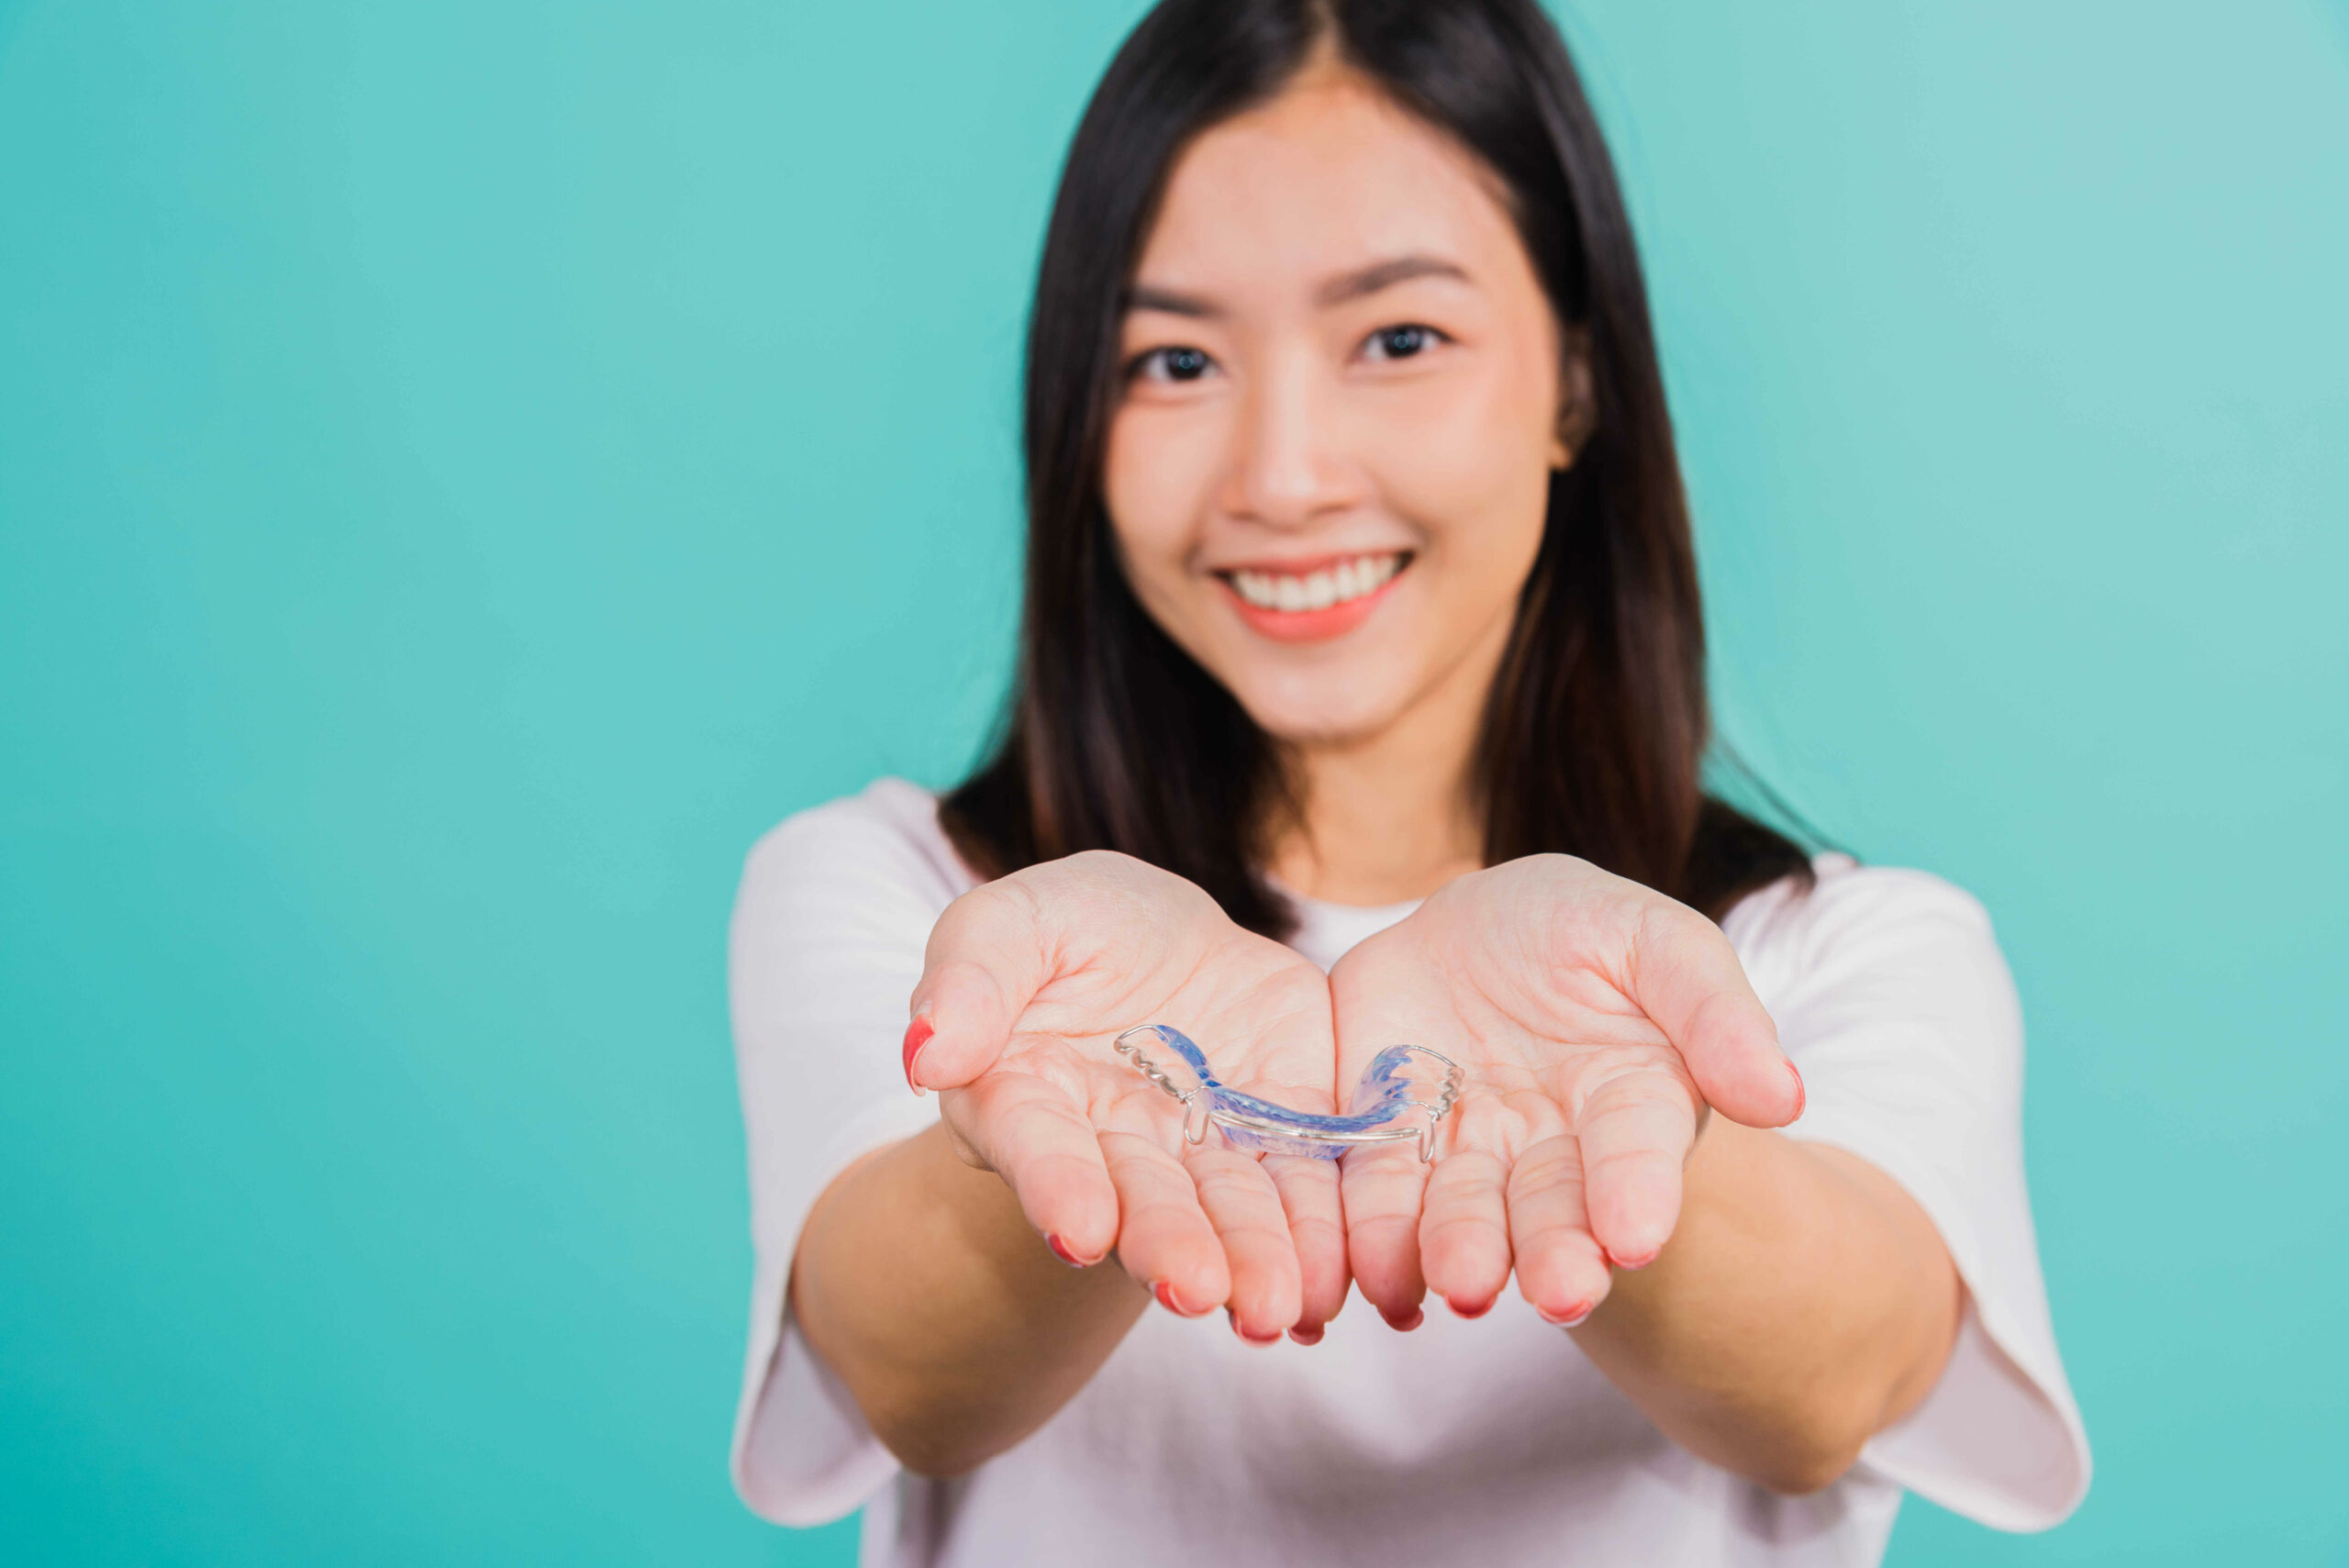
(467, 469)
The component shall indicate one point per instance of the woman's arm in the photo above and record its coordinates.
(922, 1287)
(1804, 1302)
(926, 1277)
(1770, 1304)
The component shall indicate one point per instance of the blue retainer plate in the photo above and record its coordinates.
(1403, 1093)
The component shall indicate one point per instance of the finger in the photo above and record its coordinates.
(1237, 1194)
(1559, 1267)
(1293, 1063)
(1379, 998)
(987, 956)
(1164, 1237)
(1039, 1141)
(1463, 1231)
(1317, 1225)
(1685, 977)
(1382, 1189)
(1635, 1133)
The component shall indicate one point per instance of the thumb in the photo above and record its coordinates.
(986, 959)
(1685, 975)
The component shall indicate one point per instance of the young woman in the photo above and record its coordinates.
(1362, 700)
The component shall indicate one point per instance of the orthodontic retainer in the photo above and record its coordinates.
(1382, 1109)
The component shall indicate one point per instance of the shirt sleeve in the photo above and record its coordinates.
(825, 949)
(1893, 998)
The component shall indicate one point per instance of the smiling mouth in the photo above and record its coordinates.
(1339, 583)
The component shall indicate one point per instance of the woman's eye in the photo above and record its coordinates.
(1400, 342)
(1171, 364)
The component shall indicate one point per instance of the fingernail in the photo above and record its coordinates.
(1573, 1315)
(1405, 1322)
(1306, 1333)
(1471, 1312)
(917, 1035)
(1802, 1095)
(1166, 1293)
(1630, 1261)
(1234, 1321)
(1061, 1250)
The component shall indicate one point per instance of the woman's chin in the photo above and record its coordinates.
(1332, 714)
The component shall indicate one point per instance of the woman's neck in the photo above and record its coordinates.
(1394, 815)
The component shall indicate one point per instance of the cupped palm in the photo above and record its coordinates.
(1030, 978)
(1596, 1021)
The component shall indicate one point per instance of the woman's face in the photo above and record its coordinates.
(1341, 403)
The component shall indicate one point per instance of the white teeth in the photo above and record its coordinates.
(1350, 579)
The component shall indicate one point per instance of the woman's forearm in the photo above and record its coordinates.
(1803, 1303)
(923, 1288)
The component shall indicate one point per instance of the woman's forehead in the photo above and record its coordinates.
(1326, 180)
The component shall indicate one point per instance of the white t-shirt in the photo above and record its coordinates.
(1487, 1442)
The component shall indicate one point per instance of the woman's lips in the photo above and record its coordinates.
(1311, 625)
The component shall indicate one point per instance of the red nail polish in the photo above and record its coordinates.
(1307, 1334)
(1060, 1249)
(1166, 1293)
(1472, 1313)
(917, 1035)
(1230, 1317)
(1403, 1323)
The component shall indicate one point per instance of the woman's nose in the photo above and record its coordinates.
(1288, 465)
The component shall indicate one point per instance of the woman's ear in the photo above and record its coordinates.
(1577, 401)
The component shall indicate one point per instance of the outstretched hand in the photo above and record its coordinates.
(1596, 1021)
(1026, 981)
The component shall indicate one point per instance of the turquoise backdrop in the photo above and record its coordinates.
(465, 469)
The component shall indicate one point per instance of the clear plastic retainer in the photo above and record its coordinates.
(1398, 1099)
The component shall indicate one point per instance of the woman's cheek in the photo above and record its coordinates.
(1137, 490)
(1160, 467)
(1471, 471)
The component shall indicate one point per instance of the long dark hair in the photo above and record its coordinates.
(1595, 728)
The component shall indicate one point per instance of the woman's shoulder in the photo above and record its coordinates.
(1843, 891)
(885, 837)
(1857, 918)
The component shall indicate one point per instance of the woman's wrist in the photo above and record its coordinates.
(919, 1282)
(1803, 1303)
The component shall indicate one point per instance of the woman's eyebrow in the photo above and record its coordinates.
(1142, 296)
(1336, 291)
(1387, 274)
